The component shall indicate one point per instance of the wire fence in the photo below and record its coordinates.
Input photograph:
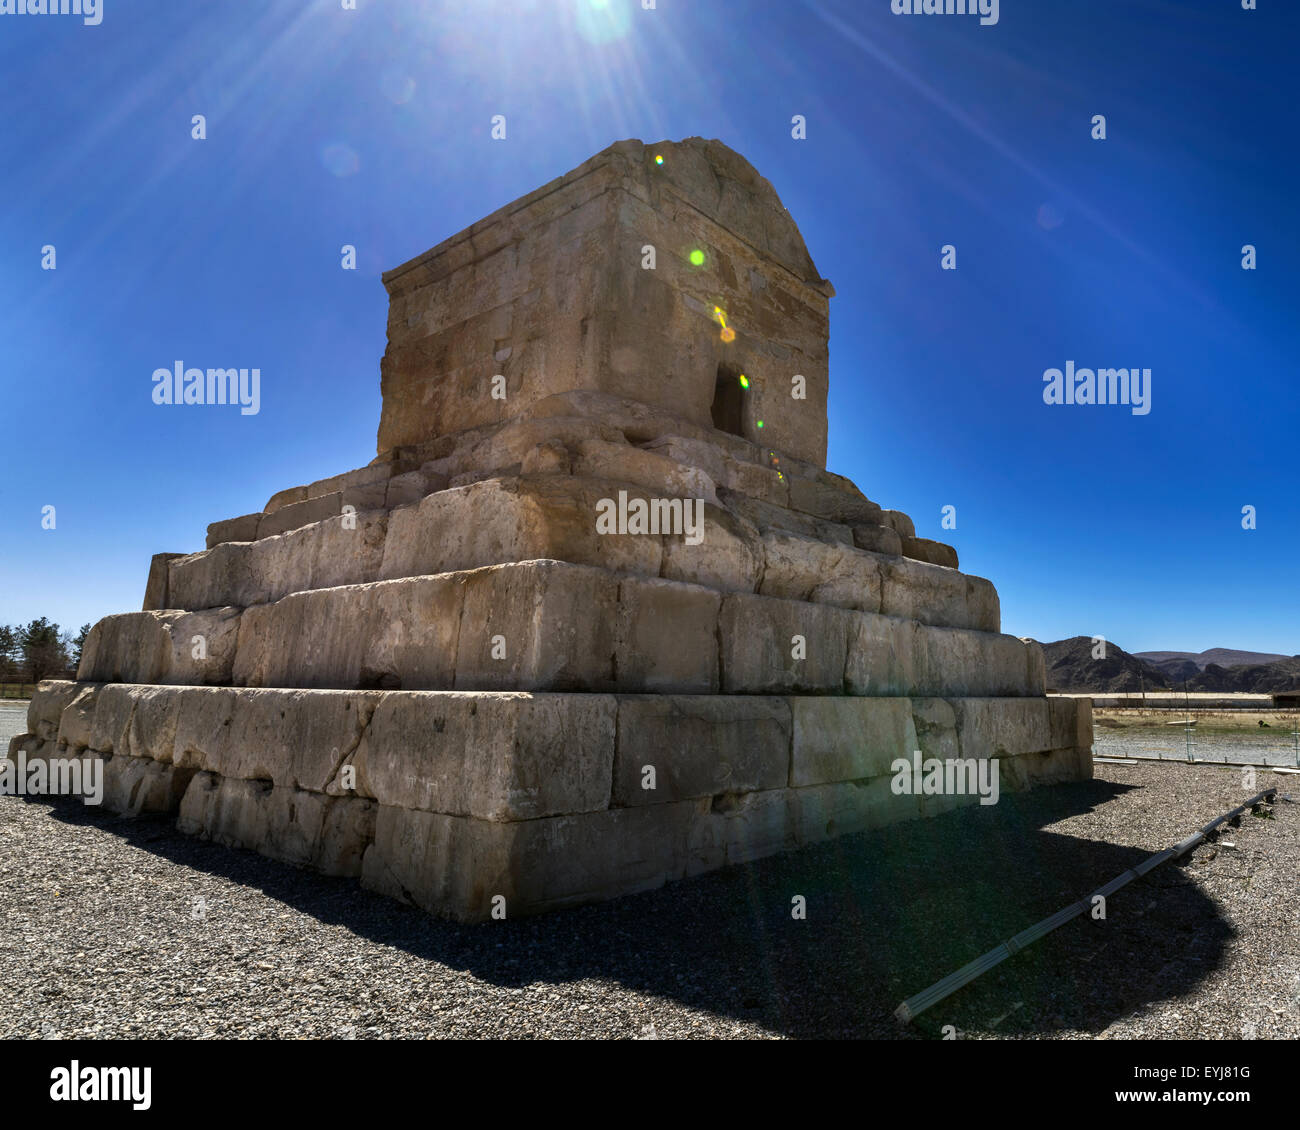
(1275, 745)
(16, 690)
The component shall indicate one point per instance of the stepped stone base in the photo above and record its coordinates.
(596, 617)
(450, 799)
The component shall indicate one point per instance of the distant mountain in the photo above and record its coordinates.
(1219, 656)
(1260, 678)
(1072, 669)
(1178, 670)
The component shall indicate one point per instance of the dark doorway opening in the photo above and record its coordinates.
(729, 402)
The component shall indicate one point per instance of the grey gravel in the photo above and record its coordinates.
(124, 928)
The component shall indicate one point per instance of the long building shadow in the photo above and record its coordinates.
(888, 913)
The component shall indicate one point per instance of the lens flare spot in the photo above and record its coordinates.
(340, 159)
(744, 381)
(659, 158)
(697, 257)
(1050, 217)
(759, 423)
(397, 86)
(600, 21)
(728, 334)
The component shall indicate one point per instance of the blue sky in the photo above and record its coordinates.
(371, 127)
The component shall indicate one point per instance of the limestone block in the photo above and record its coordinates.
(1071, 722)
(285, 498)
(699, 746)
(623, 463)
(553, 625)
(243, 528)
(490, 450)
(509, 520)
(155, 589)
(841, 506)
(738, 828)
(915, 590)
(693, 453)
(193, 648)
(729, 558)
(294, 738)
(848, 739)
(933, 552)
(285, 824)
(936, 729)
(404, 489)
(761, 482)
(666, 639)
(189, 726)
(387, 634)
(1002, 727)
(46, 706)
(22, 743)
(765, 516)
(549, 458)
(110, 725)
(799, 568)
(899, 521)
(455, 865)
(135, 785)
(1084, 739)
(78, 718)
(1037, 667)
(954, 662)
(886, 656)
(760, 649)
(372, 475)
(295, 515)
(821, 812)
(877, 539)
(494, 756)
(339, 551)
(1048, 767)
(347, 832)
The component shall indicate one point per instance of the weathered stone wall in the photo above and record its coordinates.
(439, 674)
(551, 293)
(540, 799)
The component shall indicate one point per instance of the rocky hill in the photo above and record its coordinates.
(1219, 656)
(1071, 668)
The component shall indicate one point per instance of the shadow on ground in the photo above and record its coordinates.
(888, 913)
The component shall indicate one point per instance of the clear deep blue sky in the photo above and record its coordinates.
(371, 127)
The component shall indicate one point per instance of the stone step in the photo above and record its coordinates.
(811, 501)
(551, 625)
(449, 799)
(554, 517)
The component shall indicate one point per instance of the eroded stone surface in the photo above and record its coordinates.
(447, 674)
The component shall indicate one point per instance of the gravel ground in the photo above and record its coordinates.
(124, 928)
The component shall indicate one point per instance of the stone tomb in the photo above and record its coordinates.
(441, 674)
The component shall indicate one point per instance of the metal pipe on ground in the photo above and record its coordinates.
(914, 1006)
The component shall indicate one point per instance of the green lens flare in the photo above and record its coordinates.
(697, 258)
(744, 381)
(760, 423)
(659, 159)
